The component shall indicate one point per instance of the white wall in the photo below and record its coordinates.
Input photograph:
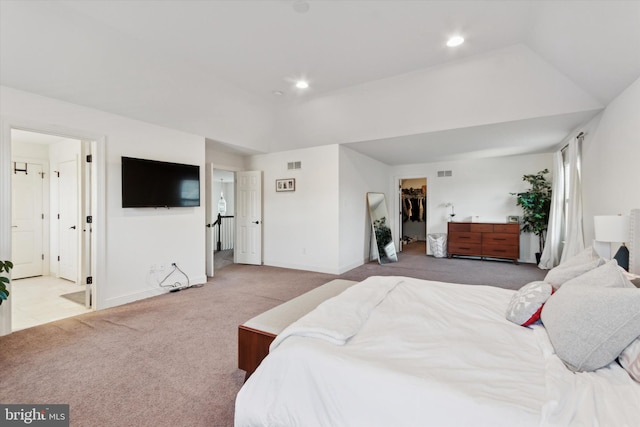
(224, 160)
(301, 228)
(476, 188)
(610, 157)
(359, 174)
(132, 239)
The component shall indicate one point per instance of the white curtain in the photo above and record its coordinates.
(555, 231)
(574, 242)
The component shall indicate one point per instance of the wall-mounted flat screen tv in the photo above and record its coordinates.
(152, 184)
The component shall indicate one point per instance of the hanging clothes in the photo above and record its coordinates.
(415, 211)
(406, 209)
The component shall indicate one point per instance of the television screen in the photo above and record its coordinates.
(151, 183)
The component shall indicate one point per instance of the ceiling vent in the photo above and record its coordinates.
(442, 174)
(294, 165)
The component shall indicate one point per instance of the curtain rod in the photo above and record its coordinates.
(580, 136)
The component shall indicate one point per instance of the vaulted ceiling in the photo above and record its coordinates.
(381, 78)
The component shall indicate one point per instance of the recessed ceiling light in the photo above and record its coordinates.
(302, 84)
(455, 41)
(277, 93)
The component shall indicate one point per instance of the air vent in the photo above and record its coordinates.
(294, 165)
(442, 174)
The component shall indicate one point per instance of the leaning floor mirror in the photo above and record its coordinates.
(380, 228)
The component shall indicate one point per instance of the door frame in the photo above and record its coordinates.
(208, 202)
(98, 202)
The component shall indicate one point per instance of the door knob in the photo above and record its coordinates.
(256, 222)
(73, 227)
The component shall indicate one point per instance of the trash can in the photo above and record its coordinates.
(438, 244)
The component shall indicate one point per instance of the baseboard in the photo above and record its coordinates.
(147, 293)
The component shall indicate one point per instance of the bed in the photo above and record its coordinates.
(399, 351)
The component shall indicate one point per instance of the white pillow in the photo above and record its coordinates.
(573, 267)
(629, 359)
(526, 304)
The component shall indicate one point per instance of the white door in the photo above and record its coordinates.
(209, 214)
(69, 224)
(248, 248)
(27, 221)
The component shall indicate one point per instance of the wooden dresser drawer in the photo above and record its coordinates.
(458, 226)
(500, 251)
(482, 228)
(465, 237)
(501, 238)
(464, 248)
(507, 228)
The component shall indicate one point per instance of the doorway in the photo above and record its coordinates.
(51, 193)
(220, 212)
(413, 215)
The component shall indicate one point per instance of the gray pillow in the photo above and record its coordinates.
(593, 318)
(575, 266)
(608, 275)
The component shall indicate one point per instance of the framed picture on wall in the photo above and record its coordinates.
(287, 184)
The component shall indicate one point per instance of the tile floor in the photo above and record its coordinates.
(37, 300)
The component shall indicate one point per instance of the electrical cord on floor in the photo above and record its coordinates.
(177, 286)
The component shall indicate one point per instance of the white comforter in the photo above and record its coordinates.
(396, 351)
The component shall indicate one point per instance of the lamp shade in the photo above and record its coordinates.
(612, 228)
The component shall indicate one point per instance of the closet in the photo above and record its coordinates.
(413, 199)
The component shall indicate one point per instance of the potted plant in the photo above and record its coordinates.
(4, 281)
(535, 203)
(383, 235)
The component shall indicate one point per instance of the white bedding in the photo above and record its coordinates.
(422, 353)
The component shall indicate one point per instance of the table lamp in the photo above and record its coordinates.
(614, 229)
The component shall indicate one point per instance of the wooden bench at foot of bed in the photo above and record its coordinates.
(255, 336)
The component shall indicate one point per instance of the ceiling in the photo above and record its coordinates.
(135, 57)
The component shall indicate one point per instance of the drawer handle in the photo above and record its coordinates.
(464, 237)
(468, 249)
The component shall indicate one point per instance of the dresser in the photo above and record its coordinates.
(485, 240)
